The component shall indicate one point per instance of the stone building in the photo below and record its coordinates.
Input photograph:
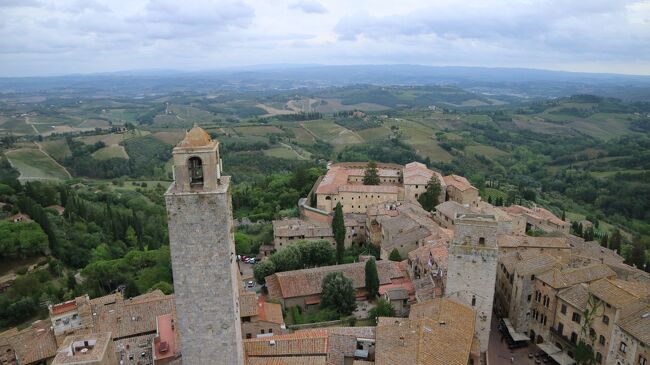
(547, 285)
(539, 218)
(515, 282)
(89, 349)
(416, 178)
(461, 191)
(556, 246)
(471, 275)
(437, 332)
(199, 213)
(259, 317)
(447, 211)
(630, 342)
(288, 231)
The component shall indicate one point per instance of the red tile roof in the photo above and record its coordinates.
(165, 344)
(64, 307)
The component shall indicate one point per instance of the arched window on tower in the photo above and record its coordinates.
(195, 166)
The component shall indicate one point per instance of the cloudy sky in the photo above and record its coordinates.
(54, 37)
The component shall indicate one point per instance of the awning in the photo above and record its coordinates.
(563, 358)
(516, 336)
(548, 348)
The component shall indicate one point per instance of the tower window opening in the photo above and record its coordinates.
(481, 241)
(195, 166)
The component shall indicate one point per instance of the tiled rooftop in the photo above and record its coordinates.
(74, 351)
(576, 295)
(307, 282)
(637, 324)
(458, 182)
(299, 343)
(559, 279)
(513, 241)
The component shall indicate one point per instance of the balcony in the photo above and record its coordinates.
(563, 339)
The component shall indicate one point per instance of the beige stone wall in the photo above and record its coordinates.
(549, 311)
(256, 327)
(469, 196)
(634, 349)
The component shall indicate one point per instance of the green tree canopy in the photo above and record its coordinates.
(637, 255)
(372, 279)
(430, 198)
(616, 240)
(371, 176)
(316, 253)
(381, 309)
(394, 255)
(21, 239)
(338, 228)
(338, 293)
(262, 270)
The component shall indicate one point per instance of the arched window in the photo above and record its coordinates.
(195, 166)
(328, 198)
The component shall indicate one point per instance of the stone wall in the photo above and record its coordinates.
(205, 275)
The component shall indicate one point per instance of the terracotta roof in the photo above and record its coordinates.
(63, 307)
(536, 212)
(513, 241)
(536, 265)
(247, 304)
(458, 182)
(438, 332)
(299, 227)
(438, 252)
(558, 279)
(637, 324)
(35, 343)
(288, 360)
(299, 343)
(307, 282)
(618, 293)
(359, 188)
(416, 173)
(337, 180)
(450, 208)
(196, 137)
(576, 295)
(269, 312)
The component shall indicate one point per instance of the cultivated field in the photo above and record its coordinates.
(35, 165)
(113, 151)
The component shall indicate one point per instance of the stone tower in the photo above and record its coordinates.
(472, 268)
(199, 214)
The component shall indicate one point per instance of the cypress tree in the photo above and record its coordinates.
(371, 176)
(429, 199)
(372, 279)
(338, 228)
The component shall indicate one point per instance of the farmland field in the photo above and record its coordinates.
(35, 165)
(282, 152)
(170, 137)
(488, 151)
(113, 151)
(57, 148)
(258, 130)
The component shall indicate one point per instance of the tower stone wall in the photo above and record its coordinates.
(202, 247)
(472, 267)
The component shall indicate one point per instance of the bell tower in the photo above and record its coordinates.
(202, 244)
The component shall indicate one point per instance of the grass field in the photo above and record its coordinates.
(374, 133)
(488, 151)
(191, 114)
(113, 138)
(113, 151)
(333, 133)
(94, 123)
(302, 136)
(170, 137)
(35, 165)
(602, 127)
(421, 138)
(261, 130)
(57, 148)
(16, 126)
(282, 152)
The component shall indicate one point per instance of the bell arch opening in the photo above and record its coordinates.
(195, 167)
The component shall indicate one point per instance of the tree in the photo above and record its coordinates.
(338, 293)
(381, 309)
(637, 254)
(262, 270)
(615, 241)
(316, 253)
(372, 279)
(394, 255)
(287, 259)
(371, 176)
(430, 198)
(338, 228)
(163, 286)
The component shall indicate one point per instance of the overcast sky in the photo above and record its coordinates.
(54, 37)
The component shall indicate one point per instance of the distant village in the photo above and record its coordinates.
(468, 274)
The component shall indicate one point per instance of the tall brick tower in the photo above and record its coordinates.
(472, 268)
(199, 215)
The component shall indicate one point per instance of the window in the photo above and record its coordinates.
(195, 166)
(623, 347)
(529, 297)
(262, 332)
(248, 335)
(576, 317)
(473, 300)
(560, 328)
(599, 357)
(642, 360)
(563, 309)
(601, 339)
(574, 338)
(605, 320)
(481, 240)
(270, 330)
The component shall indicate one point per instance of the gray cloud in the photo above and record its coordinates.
(309, 6)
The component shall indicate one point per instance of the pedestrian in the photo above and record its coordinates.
(512, 359)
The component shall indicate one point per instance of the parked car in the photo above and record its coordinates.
(250, 284)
